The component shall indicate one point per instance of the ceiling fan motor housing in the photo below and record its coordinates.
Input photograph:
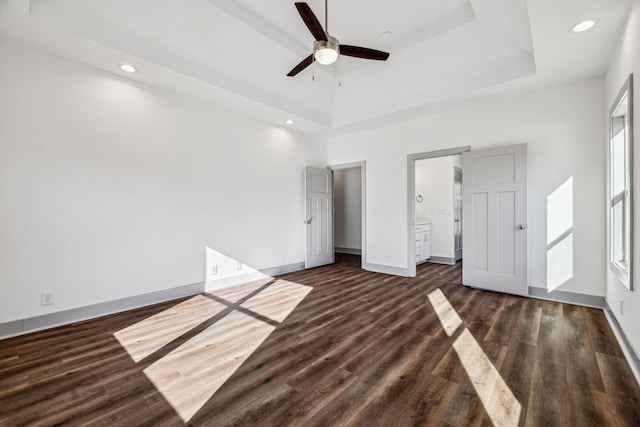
(326, 51)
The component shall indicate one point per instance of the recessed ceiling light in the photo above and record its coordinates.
(386, 35)
(289, 122)
(128, 68)
(583, 26)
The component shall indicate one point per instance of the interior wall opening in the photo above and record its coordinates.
(434, 207)
(438, 209)
(349, 210)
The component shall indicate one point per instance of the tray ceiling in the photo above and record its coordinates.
(443, 52)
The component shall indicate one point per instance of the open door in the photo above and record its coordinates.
(319, 221)
(495, 219)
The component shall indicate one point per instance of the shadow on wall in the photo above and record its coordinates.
(560, 235)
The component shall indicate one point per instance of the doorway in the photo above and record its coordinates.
(349, 219)
(437, 212)
(419, 214)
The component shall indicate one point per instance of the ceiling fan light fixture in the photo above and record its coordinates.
(326, 52)
(326, 56)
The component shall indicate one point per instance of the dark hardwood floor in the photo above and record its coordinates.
(330, 346)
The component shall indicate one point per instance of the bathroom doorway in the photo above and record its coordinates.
(435, 207)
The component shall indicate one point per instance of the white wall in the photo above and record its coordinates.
(347, 196)
(625, 61)
(564, 130)
(110, 188)
(434, 181)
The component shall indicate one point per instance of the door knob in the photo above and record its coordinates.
(308, 221)
(521, 227)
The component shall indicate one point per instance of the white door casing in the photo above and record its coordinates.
(457, 214)
(319, 217)
(495, 219)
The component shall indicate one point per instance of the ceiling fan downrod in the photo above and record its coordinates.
(326, 16)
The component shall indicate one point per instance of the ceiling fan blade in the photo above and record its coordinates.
(311, 21)
(301, 66)
(363, 52)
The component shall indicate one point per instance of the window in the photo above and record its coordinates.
(620, 178)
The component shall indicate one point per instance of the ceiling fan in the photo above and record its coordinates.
(327, 49)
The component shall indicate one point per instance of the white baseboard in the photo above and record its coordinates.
(441, 260)
(251, 276)
(350, 251)
(629, 352)
(47, 321)
(567, 297)
(387, 269)
(284, 269)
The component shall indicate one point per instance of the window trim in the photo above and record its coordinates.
(623, 270)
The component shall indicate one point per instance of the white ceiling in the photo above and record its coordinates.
(443, 52)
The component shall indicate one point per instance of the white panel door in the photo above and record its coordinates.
(319, 221)
(495, 219)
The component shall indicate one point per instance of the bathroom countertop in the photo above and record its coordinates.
(423, 221)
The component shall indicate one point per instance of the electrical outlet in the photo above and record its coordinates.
(387, 258)
(621, 307)
(48, 297)
(214, 269)
(239, 265)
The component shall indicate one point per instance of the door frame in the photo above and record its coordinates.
(411, 203)
(363, 187)
(456, 170)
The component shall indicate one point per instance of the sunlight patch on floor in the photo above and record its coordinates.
(189, 375)
(239, 319)
(151, 334)
(501, 405)
(237, 292)
(498, 400)
(448, 315)
(278, 300)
